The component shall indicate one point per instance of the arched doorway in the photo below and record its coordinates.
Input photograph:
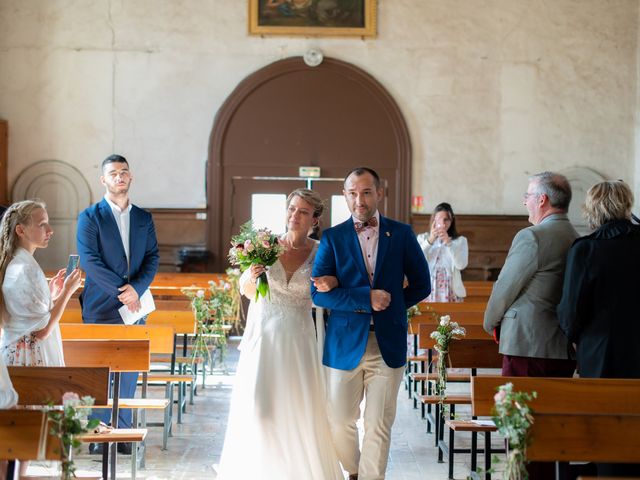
(334, 116)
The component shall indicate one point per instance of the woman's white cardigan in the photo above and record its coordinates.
(455, 255)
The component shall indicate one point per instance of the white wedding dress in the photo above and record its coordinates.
(278, 426)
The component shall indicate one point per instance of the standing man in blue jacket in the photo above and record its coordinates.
(365, 347)
(119, 253)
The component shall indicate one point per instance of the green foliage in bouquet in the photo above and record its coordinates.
(513, 417)
(255, 247)
(213, 311)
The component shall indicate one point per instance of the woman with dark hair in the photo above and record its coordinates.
(447, 254)
(599, 311)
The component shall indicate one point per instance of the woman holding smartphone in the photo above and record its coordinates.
(447, 254)
(31, 307)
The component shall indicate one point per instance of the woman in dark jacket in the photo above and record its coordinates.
(599, 308)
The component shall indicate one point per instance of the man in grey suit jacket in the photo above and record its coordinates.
(522, 306)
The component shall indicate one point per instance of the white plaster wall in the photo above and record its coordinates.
(492, 90)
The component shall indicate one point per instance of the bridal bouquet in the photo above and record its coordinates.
(255, 247)
(513, 417)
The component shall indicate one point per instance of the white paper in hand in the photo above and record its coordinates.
(147, 306)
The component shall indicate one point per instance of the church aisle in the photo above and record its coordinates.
(194, 450)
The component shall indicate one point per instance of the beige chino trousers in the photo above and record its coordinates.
(378, 384)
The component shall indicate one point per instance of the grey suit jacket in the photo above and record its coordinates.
(524, 298)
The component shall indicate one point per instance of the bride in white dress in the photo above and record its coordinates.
(278, 426)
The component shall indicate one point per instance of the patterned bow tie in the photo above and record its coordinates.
(360, 226)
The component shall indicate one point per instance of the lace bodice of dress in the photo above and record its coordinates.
(296, 292)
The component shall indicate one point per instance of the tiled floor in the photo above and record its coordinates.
(195, 447)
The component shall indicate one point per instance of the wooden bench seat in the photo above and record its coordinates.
(457, 377)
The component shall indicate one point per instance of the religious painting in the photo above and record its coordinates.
(313, 17)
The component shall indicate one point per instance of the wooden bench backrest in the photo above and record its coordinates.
(177, 279)
(41, 385)
(575, 419)
(71, 316)
(161, 337)
(182, 321)
(562, 395)
(443, 308)
(183, 303)
(586, 438)
(24, 436)
(468, 353)
(118, 355)
(474, 332)
(463, 318)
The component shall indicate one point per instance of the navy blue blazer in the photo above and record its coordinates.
(103, 259)
(399, 255)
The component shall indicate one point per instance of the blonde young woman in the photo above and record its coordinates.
(31, 307)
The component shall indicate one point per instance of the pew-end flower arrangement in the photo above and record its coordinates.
(213, 312)
(445, 332)
(255, 247)
(67, 424)
(513, 417)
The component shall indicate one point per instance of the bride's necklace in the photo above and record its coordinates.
(293, 247)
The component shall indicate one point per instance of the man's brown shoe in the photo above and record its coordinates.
(353, 476)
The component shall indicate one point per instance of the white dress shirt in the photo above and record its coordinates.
(368, 239)
(122, 218)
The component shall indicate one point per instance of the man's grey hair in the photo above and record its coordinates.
(555, 186)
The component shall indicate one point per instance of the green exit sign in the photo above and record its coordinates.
(309, 172)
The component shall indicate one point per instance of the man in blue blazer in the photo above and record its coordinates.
(119, 253)
(365, 347)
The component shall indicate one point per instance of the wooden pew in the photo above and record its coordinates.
(24, 436)
(464, 353)
(161, 341)
(43, 385)
(478, 291)
(570, 414)
(119, 356)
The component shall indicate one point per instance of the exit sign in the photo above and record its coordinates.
(309, 172)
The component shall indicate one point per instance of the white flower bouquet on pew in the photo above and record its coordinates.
(443, 334)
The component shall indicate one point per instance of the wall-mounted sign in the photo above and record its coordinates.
(306, 172)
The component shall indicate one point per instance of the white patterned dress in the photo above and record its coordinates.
(27, 309)
(278, 426)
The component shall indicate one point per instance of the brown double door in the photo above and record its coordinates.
(263, 200)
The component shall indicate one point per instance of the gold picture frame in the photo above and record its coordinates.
(307, 18)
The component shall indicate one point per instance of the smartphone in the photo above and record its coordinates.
(74, 260)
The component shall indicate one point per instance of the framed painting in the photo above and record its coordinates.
(313, 17)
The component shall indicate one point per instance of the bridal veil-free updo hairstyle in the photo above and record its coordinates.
(309, 196)
(607, 201)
